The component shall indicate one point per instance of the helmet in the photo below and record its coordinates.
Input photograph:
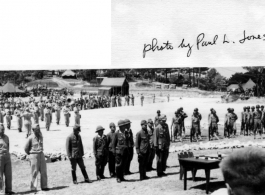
(99, 128)
(196, 109)
(257, 106)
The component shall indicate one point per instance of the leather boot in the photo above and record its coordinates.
(85, 175)
(102, 172)
(74, 177)
(98, 173)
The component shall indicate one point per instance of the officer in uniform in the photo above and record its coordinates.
(18, 114)
(100, 149)
(213, 124)
(150, 129)
(176, 124)
(75, 153)
(257, 115)
(243, 122)
(156, 121)
(142, 145)
(161, 143)
(67, 115)
(34, 148)
(57, 113)
(232, 117)
(129, 135)
(110, 137)
(120, 150)
(184, 115)
(5, 163)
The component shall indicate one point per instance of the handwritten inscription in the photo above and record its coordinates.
(201, 41)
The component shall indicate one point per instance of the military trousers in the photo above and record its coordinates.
(243, 127)
(111, 163)
(42, 115)
(101, 161)
(257, 126)
(8, 122)
(130, 157)
(66, 117)
(143, 160)
(177, 132)
(19, 122)
(75, 161)
(27, 126)
(213, 129)
(36, 118)
(38, 165)
(5, 170)
(161, 159)
(58, 117)
(121, 160)
(151, 156)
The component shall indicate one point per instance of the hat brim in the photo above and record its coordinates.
(100, 130)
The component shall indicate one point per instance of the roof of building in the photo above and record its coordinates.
(68, 73)
(115, 82)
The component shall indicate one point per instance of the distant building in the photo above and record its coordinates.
(115, 86)
(248, 85)
(69, 74)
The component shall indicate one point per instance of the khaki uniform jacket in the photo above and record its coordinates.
(142, 143)
(74, 146)
(162, 137)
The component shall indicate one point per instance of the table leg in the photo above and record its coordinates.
(207, 173)
(185, 178)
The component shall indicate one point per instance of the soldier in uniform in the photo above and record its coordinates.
(176, 124)
(156, 121)
(18, 114)
(151, 156)
(251, 126)
(47, 117)
(154, 98)
(161, 143)
(100, 149)
(27, 121)
(75, 153)
(119, 100)
(232, 117)
(67, 115)
(12, 108)
(142, 99)
(195, 124)
(36, 113)
(110, 137)
(247, 121)
(257, 121)
(142, 145)
(57, 113)
(213, 124)
(120, 150)
(34, 148)
(132, 98)
(41, 109)
(226, 130)
(77, 117)
(2, 115)
(184, 115)
(129, 135)
(8, 119)
(5, 163)
(243, 122)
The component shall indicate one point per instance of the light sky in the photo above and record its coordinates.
(137, 22)
(229, 71)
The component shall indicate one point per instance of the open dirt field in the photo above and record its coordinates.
(59, 172)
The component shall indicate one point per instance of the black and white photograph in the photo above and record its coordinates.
(132, 97)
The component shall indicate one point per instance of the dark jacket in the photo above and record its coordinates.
(100, 146)
(129, 136)
(74, 146)
(142, 143)
(119, 143)
(110, 138)
(162, 137)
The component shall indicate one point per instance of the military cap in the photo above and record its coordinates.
(232, 109)
(112, 125)
(127, 121)
(244, 107)
(36, 125)
(150, 121)
(257, 106)
(248, 107)
(211, 109)
(143, 122)
(262, 106)
(121, 123)
(77, 127)
(158, 111)
(196, 109)
(99, 128)
(228, 109)
(181, 108)
(252, 107)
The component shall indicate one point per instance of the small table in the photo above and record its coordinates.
(207, 165)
